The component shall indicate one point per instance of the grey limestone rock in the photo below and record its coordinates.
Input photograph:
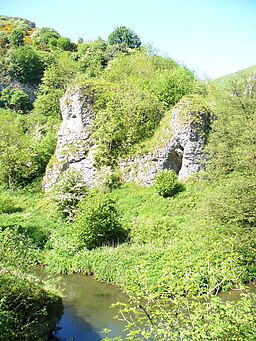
(74, 147)
(182, 151)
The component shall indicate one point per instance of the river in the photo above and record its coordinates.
(87, 309)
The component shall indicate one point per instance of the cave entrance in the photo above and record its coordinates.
(174, 160)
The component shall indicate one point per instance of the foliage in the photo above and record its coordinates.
(65, 44)
(16, 37)
(4, 39)
(231, 160)
(183, 249)
(161, 76)
(231, 143)
(27, 310)
(8, 203)
(171, 85)
(92, 58)
(15, 148)
(125, 115)
(183, 319)
(166, 183)
(15, 99)
(57, 77)
(124, 38)
(233, 200)
(68, 192)
(25, 65)
(98, 222)
(42, 37)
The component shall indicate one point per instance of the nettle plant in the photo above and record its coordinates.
(68, 192)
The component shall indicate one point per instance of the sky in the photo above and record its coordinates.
(211, 37)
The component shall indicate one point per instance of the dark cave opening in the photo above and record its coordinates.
(174, 160)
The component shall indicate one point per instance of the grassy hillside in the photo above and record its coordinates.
(245, 73)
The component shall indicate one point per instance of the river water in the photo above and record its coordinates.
(87, 309)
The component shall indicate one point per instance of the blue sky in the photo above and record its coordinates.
(211, 37)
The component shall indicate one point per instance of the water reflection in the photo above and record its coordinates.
(87, 309)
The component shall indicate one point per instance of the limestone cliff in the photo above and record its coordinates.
(74, 147)
(181, 151)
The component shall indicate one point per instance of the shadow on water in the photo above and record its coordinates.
(87, 309)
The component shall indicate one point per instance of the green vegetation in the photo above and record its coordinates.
(173, 253)
(28, 309)
(166, 183)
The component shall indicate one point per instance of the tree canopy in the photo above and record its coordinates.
(124, 37)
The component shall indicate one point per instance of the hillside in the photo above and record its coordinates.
(109, 134)
(245, 73)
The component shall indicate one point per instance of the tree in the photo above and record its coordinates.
(125, 38)
(65, 44)
(92, 57)
(15, 151)
(57, 77)
(231, 154)
(42, 37)
(26, 65)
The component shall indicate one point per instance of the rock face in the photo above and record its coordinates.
(74, 147)
(182, 151)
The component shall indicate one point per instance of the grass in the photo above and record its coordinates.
(174, 249)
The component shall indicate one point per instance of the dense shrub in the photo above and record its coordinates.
(125, 115)
(16, 37)
(65, 44)
(98, 221)
(68, 192)
(166, 183)
(26, 65)
(15, 99)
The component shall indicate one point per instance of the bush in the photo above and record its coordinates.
(167, 184)
(26, 65)
(15, 99)
(68, 192)
(98, 221)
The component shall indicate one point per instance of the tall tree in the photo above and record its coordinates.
(124, 37)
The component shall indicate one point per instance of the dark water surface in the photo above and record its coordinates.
(87, 309)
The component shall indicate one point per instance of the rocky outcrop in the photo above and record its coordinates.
(182, 149)
(74, 147)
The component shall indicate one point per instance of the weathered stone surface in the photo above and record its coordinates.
(182, 150)
(74, 147)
